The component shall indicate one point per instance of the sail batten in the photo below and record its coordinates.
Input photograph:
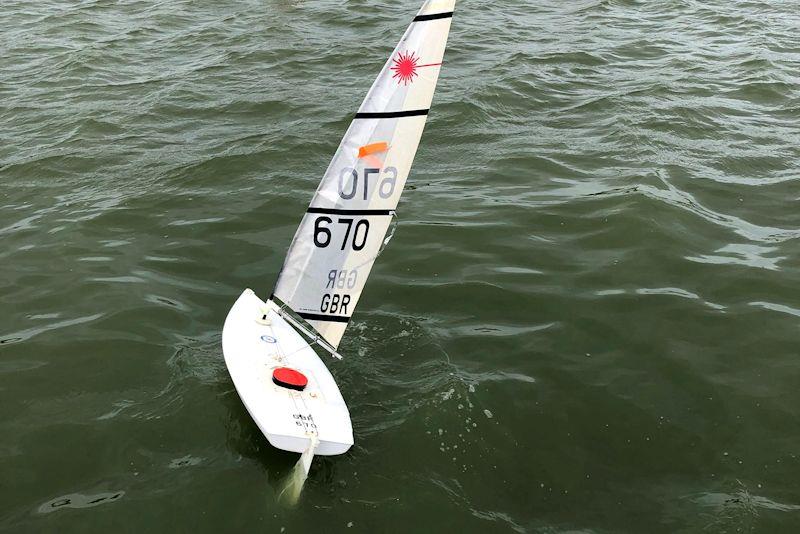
(433, 16)
(343, 230)
(391, 114)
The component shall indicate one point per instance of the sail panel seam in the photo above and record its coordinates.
(341, 211)
(391, 114)
(433, 16)
(319, 317)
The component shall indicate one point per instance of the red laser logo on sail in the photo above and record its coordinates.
(405, 68)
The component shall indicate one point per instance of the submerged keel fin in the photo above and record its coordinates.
(293, 485)
(308, 456)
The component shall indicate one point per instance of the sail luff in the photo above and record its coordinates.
(336, 244)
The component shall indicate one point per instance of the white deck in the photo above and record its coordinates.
(289, 419)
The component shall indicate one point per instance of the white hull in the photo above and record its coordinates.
(291, 420)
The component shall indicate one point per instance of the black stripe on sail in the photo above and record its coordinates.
(337, 211)
(391, 114)
(434, 16)
(319, 317)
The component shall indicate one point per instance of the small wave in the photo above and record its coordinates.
(79, 500)
(24, 335)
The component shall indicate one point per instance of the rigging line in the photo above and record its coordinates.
(277, 340)
(315, 340)
(315, 337)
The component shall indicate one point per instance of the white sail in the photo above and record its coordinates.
(344, 228)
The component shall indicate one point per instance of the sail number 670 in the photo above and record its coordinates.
(349, 182)
(359, 232)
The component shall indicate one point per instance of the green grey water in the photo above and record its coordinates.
(587, 320)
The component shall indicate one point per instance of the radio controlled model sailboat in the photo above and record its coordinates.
(281, 380)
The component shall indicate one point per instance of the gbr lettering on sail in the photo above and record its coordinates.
(351, 233)
(343, 230)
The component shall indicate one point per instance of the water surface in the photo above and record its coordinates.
(587, 320)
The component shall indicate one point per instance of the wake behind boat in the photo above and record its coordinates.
(281, 380)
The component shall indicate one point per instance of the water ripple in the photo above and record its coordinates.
(588, 311)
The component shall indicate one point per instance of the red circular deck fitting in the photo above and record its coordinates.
(289, 378)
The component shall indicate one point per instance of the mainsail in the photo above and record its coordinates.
(344, 227)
